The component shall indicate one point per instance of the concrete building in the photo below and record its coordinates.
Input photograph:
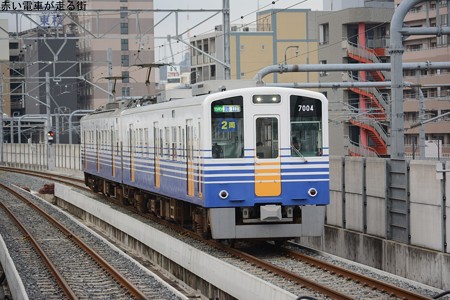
(334, 5)
(435, 84)
(5, 57)
(127, 29)
(75, 52)
(32, 55)
(271, 41)
(359, 117)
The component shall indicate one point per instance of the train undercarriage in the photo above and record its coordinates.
(186, 214)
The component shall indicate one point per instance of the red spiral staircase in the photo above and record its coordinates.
(376, 106)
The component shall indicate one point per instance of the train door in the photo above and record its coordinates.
(113, 159)
(97, 148)
(267, 158)
(131, 147)
(190, 157)
(199, 162)
(84, 136)
(157, 154)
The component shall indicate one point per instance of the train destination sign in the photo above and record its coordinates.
(227, 108)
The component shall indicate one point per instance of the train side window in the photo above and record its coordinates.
(161, 144)
(146, 145)
(227, 128)
(183, 143)
(174, 143)
(306, 126)
(167, 141)
(141, 142)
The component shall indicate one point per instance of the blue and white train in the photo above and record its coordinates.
(250, 163)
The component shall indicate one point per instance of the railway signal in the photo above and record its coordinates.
(50, 136)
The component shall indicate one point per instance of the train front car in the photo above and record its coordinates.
(267, 175)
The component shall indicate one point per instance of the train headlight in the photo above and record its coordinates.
(312, 192)
(223, 194)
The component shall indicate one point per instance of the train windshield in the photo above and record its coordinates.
(227, 128)
(306, 126)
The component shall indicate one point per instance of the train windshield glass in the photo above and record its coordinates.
(306, 126)
(227, 132)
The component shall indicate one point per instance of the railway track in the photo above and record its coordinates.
(327, 279)
(72, 181)
(73, 268)
(295, 272)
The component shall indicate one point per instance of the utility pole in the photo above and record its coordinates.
(48, 124)
(226, 38)
(48, 127)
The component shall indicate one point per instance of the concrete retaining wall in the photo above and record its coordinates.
(357, 219)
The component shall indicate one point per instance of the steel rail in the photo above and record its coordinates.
(134, 291)
(285, 273)
(390, 289)
(58, 277)
(44, 175)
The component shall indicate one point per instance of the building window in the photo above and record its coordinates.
(123, 0)
(124, 12)
(125, 77)
(323, 73)
(324, 34)
(415, 47)
(123, 28)
(125, 60)
(125, 91)
(124, 44)
(213, 71)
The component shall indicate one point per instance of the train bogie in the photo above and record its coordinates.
(240, 164)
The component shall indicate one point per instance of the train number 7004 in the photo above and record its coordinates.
(306, 108)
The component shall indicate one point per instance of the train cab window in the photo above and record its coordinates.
(306, 126)
(227, 128)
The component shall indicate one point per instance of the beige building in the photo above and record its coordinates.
(127, 29)
(435, 84)
(269, 42)
(4, 62)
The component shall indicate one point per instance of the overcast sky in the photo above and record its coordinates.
(245, 8)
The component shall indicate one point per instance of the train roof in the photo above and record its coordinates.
(130, 106)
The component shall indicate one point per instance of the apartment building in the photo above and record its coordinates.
(359, 116)
(271, 41)
(5, 57)
(435, 84)
(125, 27)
